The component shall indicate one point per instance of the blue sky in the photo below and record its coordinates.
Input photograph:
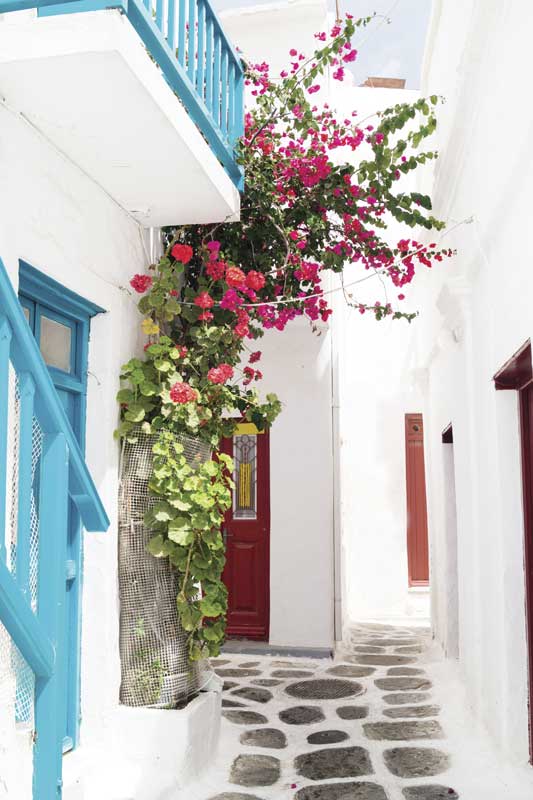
(391, 51)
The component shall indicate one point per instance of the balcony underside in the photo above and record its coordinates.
(86, 82)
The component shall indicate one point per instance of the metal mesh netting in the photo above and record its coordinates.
(153, 646)
(17, 681)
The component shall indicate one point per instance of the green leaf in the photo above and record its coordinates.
(156, 546)
(182, 536)
(135, 413)
(148, 389)
(125, 396)
(163, 512)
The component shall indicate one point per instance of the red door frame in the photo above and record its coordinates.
(417, 522)
(517, 374)
(239, 623)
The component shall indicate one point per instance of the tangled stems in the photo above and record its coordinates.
(318, 197)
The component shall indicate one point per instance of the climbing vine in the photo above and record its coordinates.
(318, 196)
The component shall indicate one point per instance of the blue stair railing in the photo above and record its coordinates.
(41, 467)
(187, 42)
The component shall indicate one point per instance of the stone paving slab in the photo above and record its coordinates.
(416, 762)
(342, 791)
(352, 712)
(255, 770)
(327, 737)
(411, 711)
(430, 792)
(403, 731)
(405, 698)
(334, 762)
(264, 737)
(403, 684)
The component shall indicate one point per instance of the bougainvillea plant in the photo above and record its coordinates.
(319, 195)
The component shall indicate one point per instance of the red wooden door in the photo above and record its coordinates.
(247, 532)
(526, 429)
(417, 525)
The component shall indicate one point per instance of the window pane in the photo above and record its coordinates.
(26, 313)
(55, 343)
(245, 477)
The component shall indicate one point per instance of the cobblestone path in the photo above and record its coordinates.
(361, 727)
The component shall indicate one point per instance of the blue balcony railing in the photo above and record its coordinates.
(187, 42)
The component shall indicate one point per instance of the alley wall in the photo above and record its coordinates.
(477, 314)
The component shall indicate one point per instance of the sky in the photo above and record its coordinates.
(392, 50)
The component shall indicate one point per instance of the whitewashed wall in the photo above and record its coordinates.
(477, 314)
(58, 220)
(297, 366)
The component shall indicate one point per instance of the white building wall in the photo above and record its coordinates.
(297, 366)
(477, 313)
(57, 219)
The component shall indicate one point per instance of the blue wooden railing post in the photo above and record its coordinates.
(191, 48)
(201, 50)
(49, 692)
(5, 347)
(25, 453)
(209, 62)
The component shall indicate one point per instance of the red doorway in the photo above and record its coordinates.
(247, 534)
(417, 524)
(517, 374)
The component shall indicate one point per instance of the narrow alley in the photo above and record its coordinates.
(385, 720)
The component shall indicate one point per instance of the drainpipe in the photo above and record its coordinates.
(336, 472)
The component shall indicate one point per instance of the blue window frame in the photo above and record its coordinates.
(60, 322)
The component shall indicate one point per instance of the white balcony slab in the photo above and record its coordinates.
(87, 84)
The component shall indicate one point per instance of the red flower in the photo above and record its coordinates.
(206, 316)
(216, 270)
(183, 393)
(235, 276)
(182, 252)
(255, 280)
(254, 357)
(220, 374)
(204, 300)
(241, 330)
(141, 283)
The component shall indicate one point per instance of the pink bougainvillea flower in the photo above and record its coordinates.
(235, 277)
(379, 138)
(220, 374)
(339, 74)
(182, 252)
(204, 300)
(313, 89)
(255, 280)
(351, 56)
(255, 356)
(183, 393)
(230, 300)
(141, 283)
(213, 248)
(293, 52)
